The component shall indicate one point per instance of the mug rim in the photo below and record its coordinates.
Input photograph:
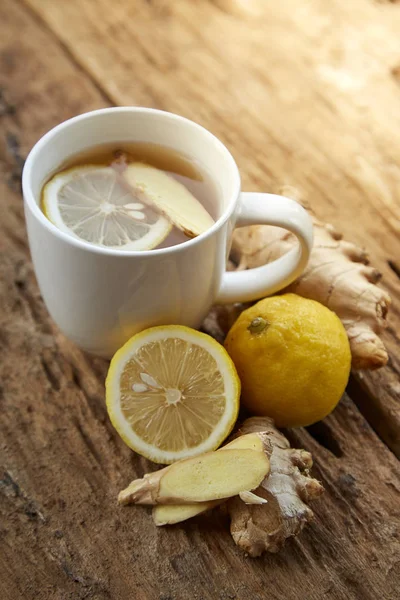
(47, 137)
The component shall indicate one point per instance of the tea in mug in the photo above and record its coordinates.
(130, 196)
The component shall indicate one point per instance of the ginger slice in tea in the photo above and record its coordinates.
(170, 197)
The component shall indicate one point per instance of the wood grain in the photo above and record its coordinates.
(306, 99)
(304, 96)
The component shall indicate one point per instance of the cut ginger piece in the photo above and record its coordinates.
(250, 441)
(170, 197)
(210, 476)
(170, 514)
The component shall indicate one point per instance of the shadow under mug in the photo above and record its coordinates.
(100, 297)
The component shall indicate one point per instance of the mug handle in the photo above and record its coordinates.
(269, 209)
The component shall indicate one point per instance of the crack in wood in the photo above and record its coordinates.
(12, 489)
(94, 588)
(322, 433)
(14, 150)
(8, 481)
(52, 378)
(32, 299)
(94, 401)
(395, 267)
(88, 442)
(383, 426)
(70, 573)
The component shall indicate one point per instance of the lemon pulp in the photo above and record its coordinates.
(172, 392)
(96, 205)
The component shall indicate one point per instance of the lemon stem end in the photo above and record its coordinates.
(258, 325)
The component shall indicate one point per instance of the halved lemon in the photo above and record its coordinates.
(172, 392)
(96, 204)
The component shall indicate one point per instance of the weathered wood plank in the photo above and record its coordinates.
(62, 535)
(305, 97)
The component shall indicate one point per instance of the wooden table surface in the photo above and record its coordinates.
(306, 94)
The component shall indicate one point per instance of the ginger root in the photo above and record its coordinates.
(210, 476)
(170, 514)
(287, 489)
(337, 275)
(260, 521)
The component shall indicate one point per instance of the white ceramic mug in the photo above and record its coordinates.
(100, 297)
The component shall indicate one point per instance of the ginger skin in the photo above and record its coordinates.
(287, 489)
(338, 275)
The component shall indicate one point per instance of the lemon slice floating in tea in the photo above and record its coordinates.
(97, 205)
(172, 392)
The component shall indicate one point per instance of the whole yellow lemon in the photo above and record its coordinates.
(293, 358)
